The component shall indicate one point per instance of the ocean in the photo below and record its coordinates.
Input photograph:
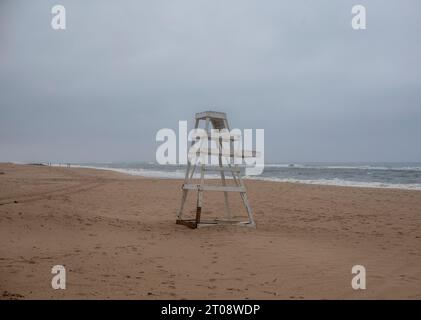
(378, 175)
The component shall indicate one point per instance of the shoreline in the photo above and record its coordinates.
(326, 182)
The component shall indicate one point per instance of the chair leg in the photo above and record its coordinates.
(183, 201)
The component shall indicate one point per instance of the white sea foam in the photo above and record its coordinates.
(343, 183)
(148, 173)
(179, 174)
(357, 167)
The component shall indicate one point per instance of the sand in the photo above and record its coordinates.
(117, 238)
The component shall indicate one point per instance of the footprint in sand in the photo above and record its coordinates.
(12, 296)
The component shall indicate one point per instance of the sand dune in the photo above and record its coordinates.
(116, 235)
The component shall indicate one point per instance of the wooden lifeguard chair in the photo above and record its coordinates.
(218, 121)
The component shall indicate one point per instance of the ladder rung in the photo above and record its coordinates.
(224, 168)
(213, 188)
(227, 153)
(224, 139)
(216, 137)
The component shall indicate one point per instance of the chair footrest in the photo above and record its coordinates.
(213, 188)
(222, 168)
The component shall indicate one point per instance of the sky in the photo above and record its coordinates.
(101, 89)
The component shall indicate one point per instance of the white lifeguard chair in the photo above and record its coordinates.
(218, 121)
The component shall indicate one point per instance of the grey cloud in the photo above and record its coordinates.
(100, 90)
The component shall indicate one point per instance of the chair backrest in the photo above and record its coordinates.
(218, 119)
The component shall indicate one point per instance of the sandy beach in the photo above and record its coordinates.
(116, 235)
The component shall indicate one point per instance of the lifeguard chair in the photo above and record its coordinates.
(218, 121)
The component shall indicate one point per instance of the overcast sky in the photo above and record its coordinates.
(101, 89)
